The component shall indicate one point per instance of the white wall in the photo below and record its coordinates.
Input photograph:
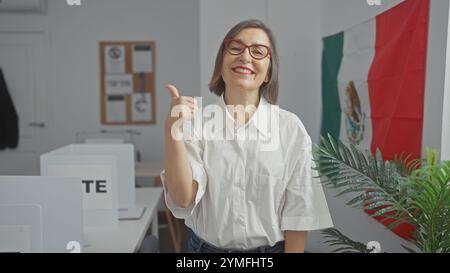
(434, 87)
(73, 34)
(445, 146)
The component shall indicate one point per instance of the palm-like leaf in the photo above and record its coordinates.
(422, 198)
(377, 184)
(406, 164)
(430, 195)
(344, 244)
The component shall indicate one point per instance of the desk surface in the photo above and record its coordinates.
(149, 168)
(128, 236)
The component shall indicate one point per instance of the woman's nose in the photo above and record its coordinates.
(245, 56)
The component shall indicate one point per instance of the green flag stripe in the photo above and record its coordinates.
(331, 63)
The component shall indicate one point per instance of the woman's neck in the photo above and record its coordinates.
(241, 105)
(244, 98)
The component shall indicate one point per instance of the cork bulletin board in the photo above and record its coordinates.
(127, 82)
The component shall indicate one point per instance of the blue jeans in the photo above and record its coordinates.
(198, 245)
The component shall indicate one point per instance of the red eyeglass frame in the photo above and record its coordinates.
(227, 41)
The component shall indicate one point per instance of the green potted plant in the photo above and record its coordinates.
(416, 192)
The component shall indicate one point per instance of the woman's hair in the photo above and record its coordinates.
(268, 89)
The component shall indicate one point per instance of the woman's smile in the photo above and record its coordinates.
(242, 70)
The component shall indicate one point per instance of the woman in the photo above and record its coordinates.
(241, 194)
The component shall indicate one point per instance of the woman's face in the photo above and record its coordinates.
(242, 72)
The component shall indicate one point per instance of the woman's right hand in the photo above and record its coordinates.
(182, 108)
(179, 182)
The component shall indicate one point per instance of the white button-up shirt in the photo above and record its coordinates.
(251, 189)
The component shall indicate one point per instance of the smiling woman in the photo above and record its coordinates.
(262, 49)
(238, 194)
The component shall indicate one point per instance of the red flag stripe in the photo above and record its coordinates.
(396, 79)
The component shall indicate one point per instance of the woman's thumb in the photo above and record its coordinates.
(173, 91)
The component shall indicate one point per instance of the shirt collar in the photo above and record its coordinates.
(260, 118)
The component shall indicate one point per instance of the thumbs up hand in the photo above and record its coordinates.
(181, 107)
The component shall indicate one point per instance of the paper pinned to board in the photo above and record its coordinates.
(114, 59)
(142, 59)
(116, 109)
(120, 84)
(141, 106)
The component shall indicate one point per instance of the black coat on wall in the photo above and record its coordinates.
(9, 121)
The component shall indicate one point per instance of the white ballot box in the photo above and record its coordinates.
(40, 214)
(97, 175)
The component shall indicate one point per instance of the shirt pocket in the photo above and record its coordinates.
(269, 196)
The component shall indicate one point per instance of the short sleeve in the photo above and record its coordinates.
(305, 206)
(194, 151)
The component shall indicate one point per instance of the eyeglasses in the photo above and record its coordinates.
(235, 47)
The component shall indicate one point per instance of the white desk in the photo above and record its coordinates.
(149, 168)
(128, 236)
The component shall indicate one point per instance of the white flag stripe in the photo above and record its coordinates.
(358, 54)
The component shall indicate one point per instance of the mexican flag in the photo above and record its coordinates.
(373, 84)
(373, 81)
